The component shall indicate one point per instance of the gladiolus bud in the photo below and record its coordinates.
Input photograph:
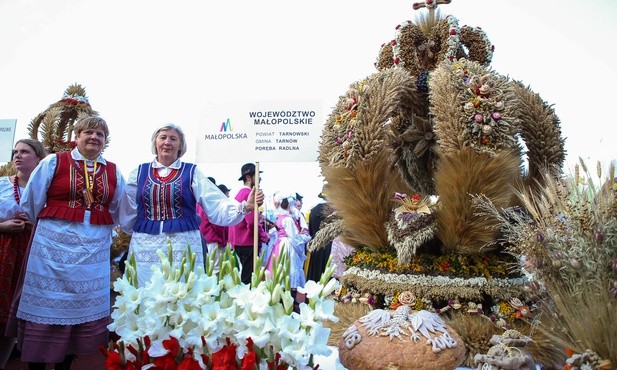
(276, 294)
(288, 302)
(329, 288)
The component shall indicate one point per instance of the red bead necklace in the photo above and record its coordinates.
(16, 191)
(167, 178)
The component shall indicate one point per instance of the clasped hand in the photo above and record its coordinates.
(250, 202)
(15, 225)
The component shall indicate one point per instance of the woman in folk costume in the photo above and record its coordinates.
(63, 306)
(293, 241)
(15, 230)
(161, 199)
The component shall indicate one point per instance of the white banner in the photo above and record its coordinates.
(260, 131)
(7, 136)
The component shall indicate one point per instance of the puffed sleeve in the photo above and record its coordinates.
(220, 209)
(8, 206)
(128, 204)
(296, 238)
(290, 228)
(303, 223)
(116, 202)
(34, 197)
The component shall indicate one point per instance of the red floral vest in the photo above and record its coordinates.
(65, 199)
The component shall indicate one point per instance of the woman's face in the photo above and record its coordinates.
(90, 142)
(168, 143)
(24, 158)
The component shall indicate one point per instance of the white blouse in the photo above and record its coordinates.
(220, 209)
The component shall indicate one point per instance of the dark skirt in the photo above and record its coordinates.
(51, 343)
(317, 262)
(12, 253)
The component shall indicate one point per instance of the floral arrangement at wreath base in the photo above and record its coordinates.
(503, 313)
(438, 278)
(187, 318)
(489, 265)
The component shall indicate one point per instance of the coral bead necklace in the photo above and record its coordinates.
(171, 175)
(16, 189)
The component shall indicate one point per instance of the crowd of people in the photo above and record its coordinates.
(58, 214)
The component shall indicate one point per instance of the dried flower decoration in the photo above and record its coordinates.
(410, 225)
(407, 298)
(75, 98)
(508, 352)
(489, 123)
(420, 134)
(586, 360)
(414, 204)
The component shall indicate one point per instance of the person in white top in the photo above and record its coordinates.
(63, 305)
(15, 231)
(297, 213)
(160, 204)
(292, 240)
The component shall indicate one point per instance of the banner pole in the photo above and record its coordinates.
(256, 220)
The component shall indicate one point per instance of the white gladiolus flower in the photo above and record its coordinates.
(210, 317)
(227, 282)
(307, 315)
(206, 286)
(287, 327)
(199, 309)
(259, 301)
(129, 330)
(325, 311)
(319, 340)
(157, 349)
(151, 324)
(178, 290)
(311, 289)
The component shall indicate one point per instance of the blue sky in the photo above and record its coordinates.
(145, 63)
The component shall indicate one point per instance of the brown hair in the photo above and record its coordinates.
(285, 204)
(36, 145)
(92, 122)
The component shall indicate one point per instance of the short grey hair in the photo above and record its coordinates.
(166, 127)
